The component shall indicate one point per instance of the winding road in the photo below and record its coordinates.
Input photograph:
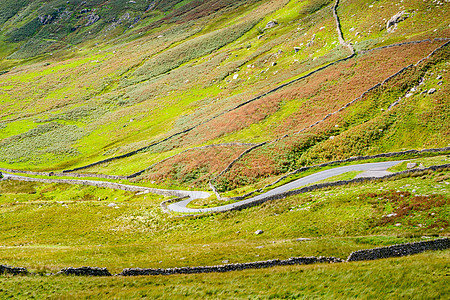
(378, 169)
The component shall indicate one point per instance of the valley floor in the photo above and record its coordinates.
(423, 276)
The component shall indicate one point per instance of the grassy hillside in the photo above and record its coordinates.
(237, 93)
(186, 64)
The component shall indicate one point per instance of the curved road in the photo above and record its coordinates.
(378, 169)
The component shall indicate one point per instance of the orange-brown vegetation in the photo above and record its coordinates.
(194, 167)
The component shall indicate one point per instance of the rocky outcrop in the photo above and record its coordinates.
(91, 19)
(391, 25)
(399, 250)
(84, 271)
(271, 24)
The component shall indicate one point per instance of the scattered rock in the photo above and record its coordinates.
(235, 76)
(303, 239)
(45, 19)
(274, 64)
(112, 205)
(296, 49)
(225, 261)
(391, 25)
(439, 77)
(440, 82)
(259, 231)
(271, 24)
(411, 165)
(431, 91)
(92, 18)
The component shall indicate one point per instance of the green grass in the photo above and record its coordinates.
(72, 95)
(416, 277)
(63, 225)
(187, 90)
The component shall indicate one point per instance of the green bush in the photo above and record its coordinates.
(25, 32)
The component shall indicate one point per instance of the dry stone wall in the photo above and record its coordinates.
(12, 270)
(370, 254)
(231, 267)
(399, 250)
(84, 271)
(110, 185)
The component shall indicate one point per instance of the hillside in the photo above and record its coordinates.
(104, 95)
(227, 97)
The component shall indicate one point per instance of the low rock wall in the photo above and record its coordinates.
(84, 271)
(370, 254)
(12, 270)
(231, 267)
(111, 185)
(399, 250)
(78, 175)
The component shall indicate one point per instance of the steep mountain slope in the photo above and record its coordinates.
(142, 81)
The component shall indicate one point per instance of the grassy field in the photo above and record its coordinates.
(416, 277)
(46, 227)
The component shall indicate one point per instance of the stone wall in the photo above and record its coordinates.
(403, 44)
(370, 254)
(399, 250)
(104, 184)
(231, 267)
(78, 175)
(84, 271)
(12, 270)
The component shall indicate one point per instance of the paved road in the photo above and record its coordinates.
(371, 170)
(376, 170)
